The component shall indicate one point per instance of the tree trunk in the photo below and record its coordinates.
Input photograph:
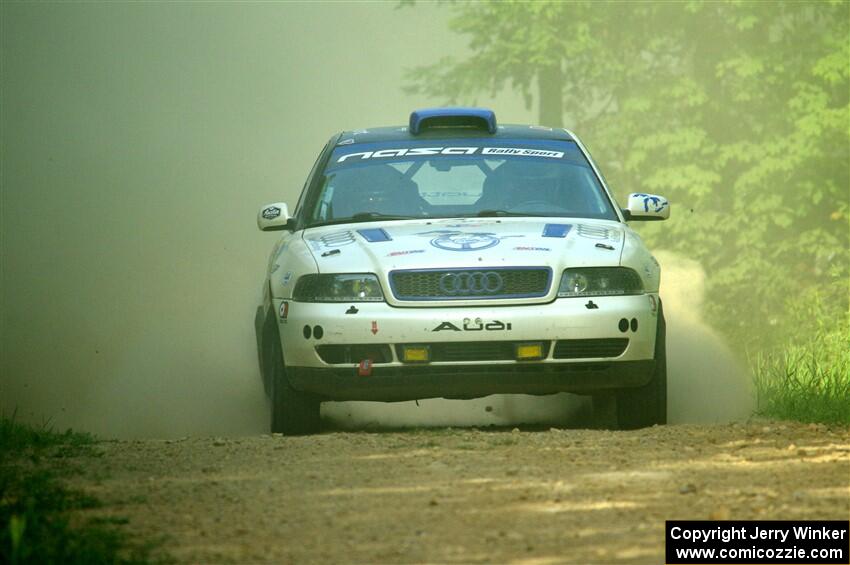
(549, 80)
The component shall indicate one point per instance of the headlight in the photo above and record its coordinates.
(338, 288)
(599, 281)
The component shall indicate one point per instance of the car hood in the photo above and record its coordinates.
(381, 247)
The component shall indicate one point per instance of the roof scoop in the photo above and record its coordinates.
(450, 118)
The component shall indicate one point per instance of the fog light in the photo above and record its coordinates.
(527, 351)
(416, 354)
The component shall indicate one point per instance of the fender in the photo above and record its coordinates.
(265, 328)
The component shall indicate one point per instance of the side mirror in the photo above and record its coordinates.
(273, 217)
(646, 208)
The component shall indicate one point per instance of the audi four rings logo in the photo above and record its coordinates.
(478, 282)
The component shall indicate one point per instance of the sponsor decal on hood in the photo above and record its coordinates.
(450, 240)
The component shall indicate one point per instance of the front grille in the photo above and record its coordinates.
(466, 284)
(590, 348)
(336, 354)
(474, 350)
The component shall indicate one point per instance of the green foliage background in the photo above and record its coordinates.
(736, 111)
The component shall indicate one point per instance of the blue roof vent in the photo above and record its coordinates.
(481, 118)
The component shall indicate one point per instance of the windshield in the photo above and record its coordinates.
(459, 178)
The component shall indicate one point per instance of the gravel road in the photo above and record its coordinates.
(464, 495)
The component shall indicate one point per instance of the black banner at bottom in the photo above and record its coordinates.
(763, 542)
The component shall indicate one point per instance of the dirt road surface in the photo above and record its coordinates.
(464, 495)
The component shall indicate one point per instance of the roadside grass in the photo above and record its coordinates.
(15, 437)
(808, 381)
(39, 516)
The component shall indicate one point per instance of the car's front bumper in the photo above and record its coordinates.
(462, 329)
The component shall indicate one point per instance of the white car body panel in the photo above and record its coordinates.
(342, 249)
(565, 318)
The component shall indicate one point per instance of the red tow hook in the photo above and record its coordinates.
(364, 369)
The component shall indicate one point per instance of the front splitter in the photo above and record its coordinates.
(399, 383)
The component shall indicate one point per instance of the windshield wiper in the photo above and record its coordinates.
(364, 217)
(495, 213)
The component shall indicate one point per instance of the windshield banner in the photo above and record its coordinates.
(464, 148)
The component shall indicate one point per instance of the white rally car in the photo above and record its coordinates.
(456, 258)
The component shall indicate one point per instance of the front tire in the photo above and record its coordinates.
(292, 412)
(647, 405)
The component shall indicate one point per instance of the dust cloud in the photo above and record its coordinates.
(137, 143)
(706, 382)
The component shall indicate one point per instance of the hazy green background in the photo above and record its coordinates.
(737, 111)
(138, 141)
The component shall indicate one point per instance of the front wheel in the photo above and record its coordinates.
(647, 405)
(293, 412)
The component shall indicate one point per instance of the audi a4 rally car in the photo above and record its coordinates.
(459, 258)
